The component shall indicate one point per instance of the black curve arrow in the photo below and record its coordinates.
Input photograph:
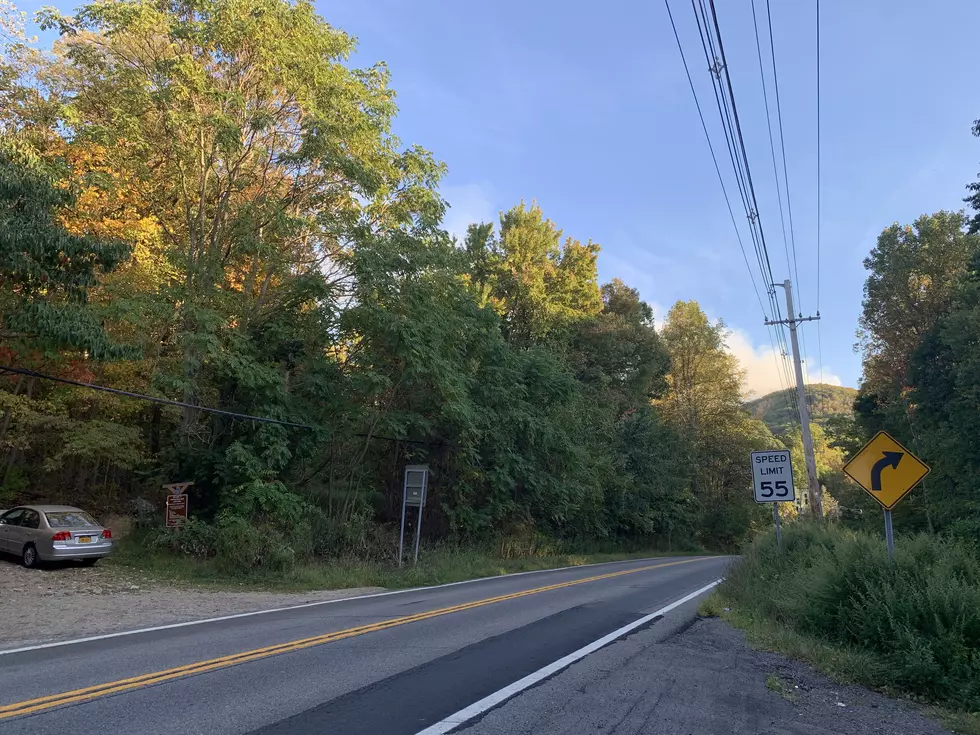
(889, 459)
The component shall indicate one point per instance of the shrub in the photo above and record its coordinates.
(243, 547)
(919, 615)
(193, 538)
(235, 544)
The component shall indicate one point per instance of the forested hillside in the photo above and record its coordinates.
(204, 202)
(779, 412)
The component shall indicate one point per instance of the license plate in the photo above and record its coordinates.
(84, 539)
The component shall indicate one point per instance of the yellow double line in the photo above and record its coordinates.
(31, 706)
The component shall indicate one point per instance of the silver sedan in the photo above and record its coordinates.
(39, 533)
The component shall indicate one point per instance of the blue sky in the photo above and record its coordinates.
(584, 106)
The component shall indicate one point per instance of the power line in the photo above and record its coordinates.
(741, 140)
(736, 147)
(818, 157)
(738, 140)
(819, 340)
(790, 263)
(152, 399)
(782, 141)
(727, 111)
(772, 146)
(206, 409)
(721, 180)
(714, 158)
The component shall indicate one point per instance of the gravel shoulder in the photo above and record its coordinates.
(63, 602)
(698, 680)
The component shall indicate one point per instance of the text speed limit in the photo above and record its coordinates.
(772, 476)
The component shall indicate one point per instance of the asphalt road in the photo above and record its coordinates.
(391, 663)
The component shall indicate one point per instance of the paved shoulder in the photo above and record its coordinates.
(702, 679)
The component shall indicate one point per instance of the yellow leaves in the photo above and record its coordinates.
(107, 205)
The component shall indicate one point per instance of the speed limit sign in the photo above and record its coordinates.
(772, 476)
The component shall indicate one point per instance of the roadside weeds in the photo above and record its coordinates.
(437, 566)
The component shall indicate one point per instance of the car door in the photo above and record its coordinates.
(27, 530)
(9, 524)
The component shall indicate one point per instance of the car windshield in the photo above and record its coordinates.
(70, 519)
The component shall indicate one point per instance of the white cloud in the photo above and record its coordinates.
(764, 367)
(468, 204)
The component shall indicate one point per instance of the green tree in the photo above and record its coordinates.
(251, 143)
(974, 198)
(539, 284)
(46, 271)
(618, 351)
(913, 270)
(704, 405)
(946, 375)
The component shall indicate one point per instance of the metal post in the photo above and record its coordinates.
(816, 502)
(779, 530)
(889, 536)
(418, 533)
(401, 537)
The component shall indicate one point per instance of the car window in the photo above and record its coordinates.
(12, 517)
(69, 519)
(30, 519)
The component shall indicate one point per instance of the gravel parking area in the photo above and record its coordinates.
(62, 602)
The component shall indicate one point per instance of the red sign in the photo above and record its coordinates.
(176, 510)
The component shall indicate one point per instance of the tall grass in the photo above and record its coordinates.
(919, 617)
(437, 565)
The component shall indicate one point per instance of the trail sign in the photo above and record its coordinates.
(772, 476)
(176, 514)
(886, 470)
(176, 510)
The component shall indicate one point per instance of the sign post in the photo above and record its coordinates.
(176, 514)
(414, 491)
(887, 471)
(772, 482)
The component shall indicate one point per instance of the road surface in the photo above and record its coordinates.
(392, 663)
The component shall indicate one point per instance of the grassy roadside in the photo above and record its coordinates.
(906, 630)
(438, 566)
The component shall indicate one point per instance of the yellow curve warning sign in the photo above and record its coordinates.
(886, 470)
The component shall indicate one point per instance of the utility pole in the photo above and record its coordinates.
(816, 502)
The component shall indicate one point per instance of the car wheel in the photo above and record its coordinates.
(90, 562)
(30, 557)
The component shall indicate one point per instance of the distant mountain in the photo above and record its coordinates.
(778, 410)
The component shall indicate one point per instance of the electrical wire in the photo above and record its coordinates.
(772, 146)
(152, 399)
(724, 101)
(721, 179)
(714, 158)
(819, 339)
(782, 143)
(168, 402)
(791, 263)
(741, 141)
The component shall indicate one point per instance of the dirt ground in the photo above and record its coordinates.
(701, 679)
(62, 602)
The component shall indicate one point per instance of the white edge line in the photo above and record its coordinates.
(171, 626)
(487, 703)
